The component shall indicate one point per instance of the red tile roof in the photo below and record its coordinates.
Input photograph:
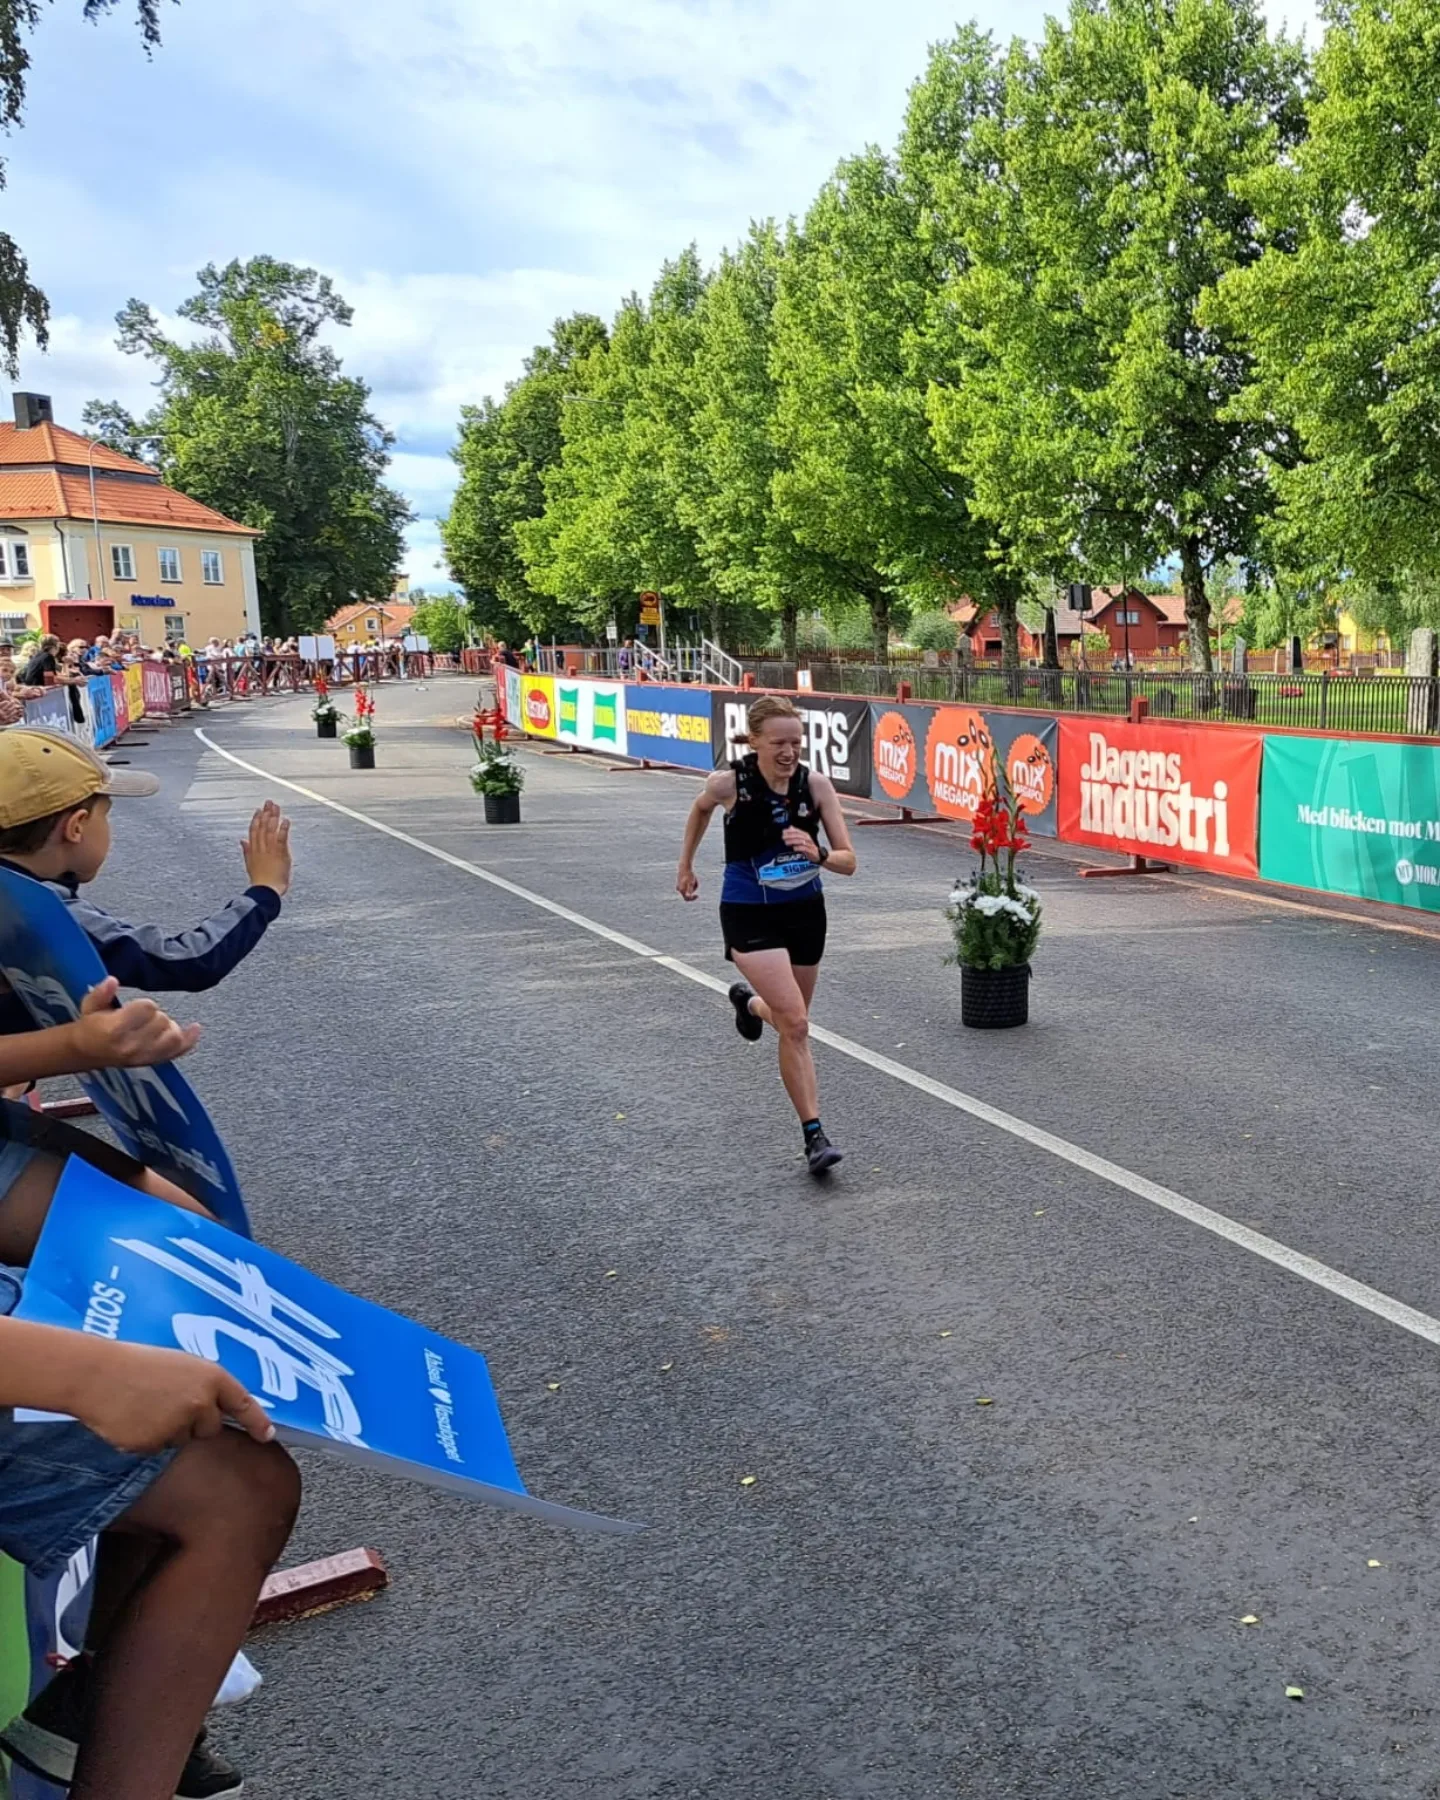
(397, 612)
(54, 444)
(57, 494)
(45, 474)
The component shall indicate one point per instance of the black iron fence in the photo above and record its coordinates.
(1368, 701)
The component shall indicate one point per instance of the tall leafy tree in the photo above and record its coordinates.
(22, 304)
(613, 524)
(1341, 314)
(505, 449)
(862, 482)
(748, 549)
(256, 419)
(1100, 417)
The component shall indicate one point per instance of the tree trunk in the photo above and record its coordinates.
(1007, 600)
(789, 631)
(1052, 640)
(1197, 605)
(716, 618)
(880, 625)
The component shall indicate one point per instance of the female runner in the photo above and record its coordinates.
(772, 908)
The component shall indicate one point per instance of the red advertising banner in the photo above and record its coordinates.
(122, 704)
(156, 680)
(1175, 792)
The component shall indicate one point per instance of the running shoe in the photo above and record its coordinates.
(45, 1739)
(821, 1155)
(746, 1023)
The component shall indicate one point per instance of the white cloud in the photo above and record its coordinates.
(466, 171)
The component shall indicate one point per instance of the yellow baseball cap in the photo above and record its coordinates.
(43, 772)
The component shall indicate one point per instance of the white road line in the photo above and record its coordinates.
(1294, 1262)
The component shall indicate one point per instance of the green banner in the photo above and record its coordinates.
(1349, 816)
(14, 1648)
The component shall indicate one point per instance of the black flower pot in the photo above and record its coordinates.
(994, 999)
(502, 809)
(362, 756)
(327, 727)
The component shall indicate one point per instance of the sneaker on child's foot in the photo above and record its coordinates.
(45, 1739)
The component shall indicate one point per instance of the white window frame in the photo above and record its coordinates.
(12, 624)
(372, 626)
(212, 568)
(19, 567)
(128, 572)
(174, 628)
(160, 556)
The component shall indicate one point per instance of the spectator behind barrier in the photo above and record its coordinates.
(55, 797)
(191, 1517)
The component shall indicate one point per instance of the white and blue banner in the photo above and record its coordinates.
(50, 712)
(155, 1113)
(335, 1372)
(101, 698)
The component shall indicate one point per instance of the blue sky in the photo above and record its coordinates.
(466, 170)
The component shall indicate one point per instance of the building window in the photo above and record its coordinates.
(174, 628)
(20, 561)
(212, 569)
(372, 626)
(12, 624)
(122, 562)
(169, 565)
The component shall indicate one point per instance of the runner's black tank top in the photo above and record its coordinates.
(758, 866)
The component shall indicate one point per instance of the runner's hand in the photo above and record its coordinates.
(267, 850)
(687, 884)
(141, 1399)
(134, 1036)
(796, 839)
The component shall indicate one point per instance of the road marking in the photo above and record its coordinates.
(1294, 1262)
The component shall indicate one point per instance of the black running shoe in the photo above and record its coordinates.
(746, 1023)
(821, 1155)
(45, 1739)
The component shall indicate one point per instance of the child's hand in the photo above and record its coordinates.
(134, 1036)
(140, 1400)
(267, 850)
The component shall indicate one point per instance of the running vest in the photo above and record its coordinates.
(759, 867)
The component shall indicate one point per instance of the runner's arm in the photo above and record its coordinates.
(842, 859)
(717, 793)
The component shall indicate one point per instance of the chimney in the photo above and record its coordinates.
(32, 410)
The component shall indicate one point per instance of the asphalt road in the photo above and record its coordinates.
(445, 1099)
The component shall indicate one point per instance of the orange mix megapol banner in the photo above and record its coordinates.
(1187, 794)
(941, 759)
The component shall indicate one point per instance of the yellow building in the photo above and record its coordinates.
(93, 542)
(1358, 638)
(370, 622)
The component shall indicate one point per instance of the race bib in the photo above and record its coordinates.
(787, 872)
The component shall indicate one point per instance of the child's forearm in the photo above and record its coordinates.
(44, 1367)
(39, 1055)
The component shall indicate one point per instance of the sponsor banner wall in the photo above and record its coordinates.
(155, 685)
(135, 692)
(120, 701)
(1181, 794)
(592, 714)
(51, 712)
(510, 702)
(939, 759)
(100, 703)
(837, 735)
(668, 724)
(537, 705)
(1351, 816)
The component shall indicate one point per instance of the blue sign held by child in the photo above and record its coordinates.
(335, 1372)
(155, 1113)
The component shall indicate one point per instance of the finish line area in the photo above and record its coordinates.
(962, 1470)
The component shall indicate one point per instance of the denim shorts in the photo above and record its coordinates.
(59, 1483)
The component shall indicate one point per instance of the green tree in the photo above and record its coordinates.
(442, 619)
(615, 521)
(862, 482)
(1098, 415)
(934, 631)
(22, 304)
(256, 419)
(505, 449)
(1341, 316)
